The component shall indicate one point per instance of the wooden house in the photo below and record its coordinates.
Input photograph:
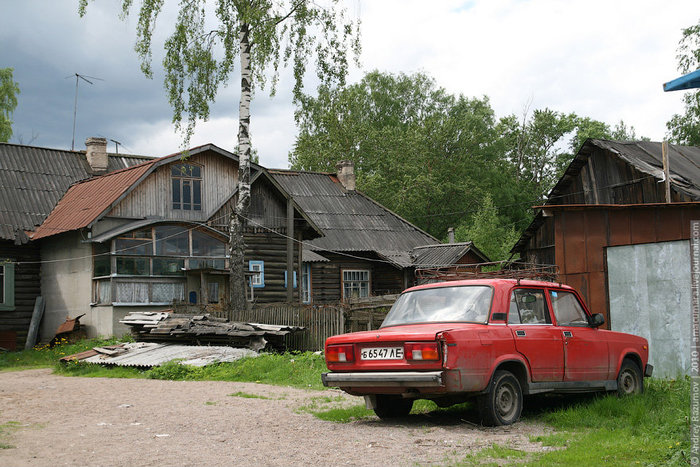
(608, 228)
(144, 237)
(33, 180)
(365, 249)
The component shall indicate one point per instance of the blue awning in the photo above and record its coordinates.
(689, 81)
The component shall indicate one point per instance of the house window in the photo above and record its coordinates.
(355, 283)
(257, 281)
(148, 266)
(7, 286)
(306, 283)
(187, 187)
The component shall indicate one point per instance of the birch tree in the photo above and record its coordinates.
(264, 35)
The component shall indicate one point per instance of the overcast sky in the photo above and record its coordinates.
(603, 59)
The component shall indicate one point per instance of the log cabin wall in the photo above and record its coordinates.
(15, 319)
(266, 246)
(327, 280)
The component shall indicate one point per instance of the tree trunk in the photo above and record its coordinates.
(239, 217)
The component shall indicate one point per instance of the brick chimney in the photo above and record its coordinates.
(346, 174)
(96, 152)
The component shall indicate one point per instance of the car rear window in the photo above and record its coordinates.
(464, 303)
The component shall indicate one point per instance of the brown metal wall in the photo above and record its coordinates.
(582, 235)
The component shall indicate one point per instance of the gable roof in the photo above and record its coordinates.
(87, 201)
(444, 254)
(645, 156)
(33, 179)
(350, 221)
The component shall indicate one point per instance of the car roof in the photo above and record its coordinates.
(498, 283)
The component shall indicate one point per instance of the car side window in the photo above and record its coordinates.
(528, 306)
(567, 309)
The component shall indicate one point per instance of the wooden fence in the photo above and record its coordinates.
(320, 321)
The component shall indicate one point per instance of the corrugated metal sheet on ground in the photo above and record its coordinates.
(148, 354)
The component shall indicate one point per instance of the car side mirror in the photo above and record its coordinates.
(597, 320)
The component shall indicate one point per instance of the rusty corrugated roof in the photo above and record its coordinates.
(33, 179)
(85, 201)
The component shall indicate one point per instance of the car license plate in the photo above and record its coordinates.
(382, 353)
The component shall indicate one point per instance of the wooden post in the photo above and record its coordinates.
(290, 250)
(667, 177)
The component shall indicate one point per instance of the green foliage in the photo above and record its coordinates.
(8, 102)
(201, 52)
(418, 150)
(489, 231)
(685, 128)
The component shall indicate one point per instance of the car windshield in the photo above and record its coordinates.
(464, 303)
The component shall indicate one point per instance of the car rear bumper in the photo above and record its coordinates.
(398, 379)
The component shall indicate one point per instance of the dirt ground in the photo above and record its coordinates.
(56, 420)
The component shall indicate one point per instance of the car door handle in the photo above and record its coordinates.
(520, 333)
(568, 334)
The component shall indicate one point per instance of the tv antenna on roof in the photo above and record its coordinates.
(78, 77)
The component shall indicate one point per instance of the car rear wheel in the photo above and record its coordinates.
(629, 380)
(390, 406)
(503, 403)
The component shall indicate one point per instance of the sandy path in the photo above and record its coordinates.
(135, 422)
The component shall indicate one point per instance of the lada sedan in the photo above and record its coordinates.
(494, 340)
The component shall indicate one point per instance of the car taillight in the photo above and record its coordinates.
(421, 351)
(340, 353)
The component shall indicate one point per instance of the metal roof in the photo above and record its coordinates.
(688, 81)
(85, 201)
(33, 179)
(350, 221)
(645, 156)
(149, 354)
(446, 254)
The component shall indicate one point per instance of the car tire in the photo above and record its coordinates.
(629, 380)
(390, 406)
(503, 402)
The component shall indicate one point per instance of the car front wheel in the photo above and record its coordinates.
(629, 380)
(389, 406)
(503, 403)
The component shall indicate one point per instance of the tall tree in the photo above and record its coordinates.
(417, 149)
(685, 128)
(263, 34)
(8, 102)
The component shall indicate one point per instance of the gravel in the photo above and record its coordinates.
(60, 420)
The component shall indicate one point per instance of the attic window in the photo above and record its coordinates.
(187, 187)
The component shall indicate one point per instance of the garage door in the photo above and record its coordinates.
(649, 290)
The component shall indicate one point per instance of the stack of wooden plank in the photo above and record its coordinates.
(204, 329)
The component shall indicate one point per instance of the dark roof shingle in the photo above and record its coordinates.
(350, 220)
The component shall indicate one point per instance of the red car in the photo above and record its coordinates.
(492, 339)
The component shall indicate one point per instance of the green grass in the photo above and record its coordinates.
(649, 429)
(248, 395)
(43, 356)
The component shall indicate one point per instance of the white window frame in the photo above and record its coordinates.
(343, 281)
